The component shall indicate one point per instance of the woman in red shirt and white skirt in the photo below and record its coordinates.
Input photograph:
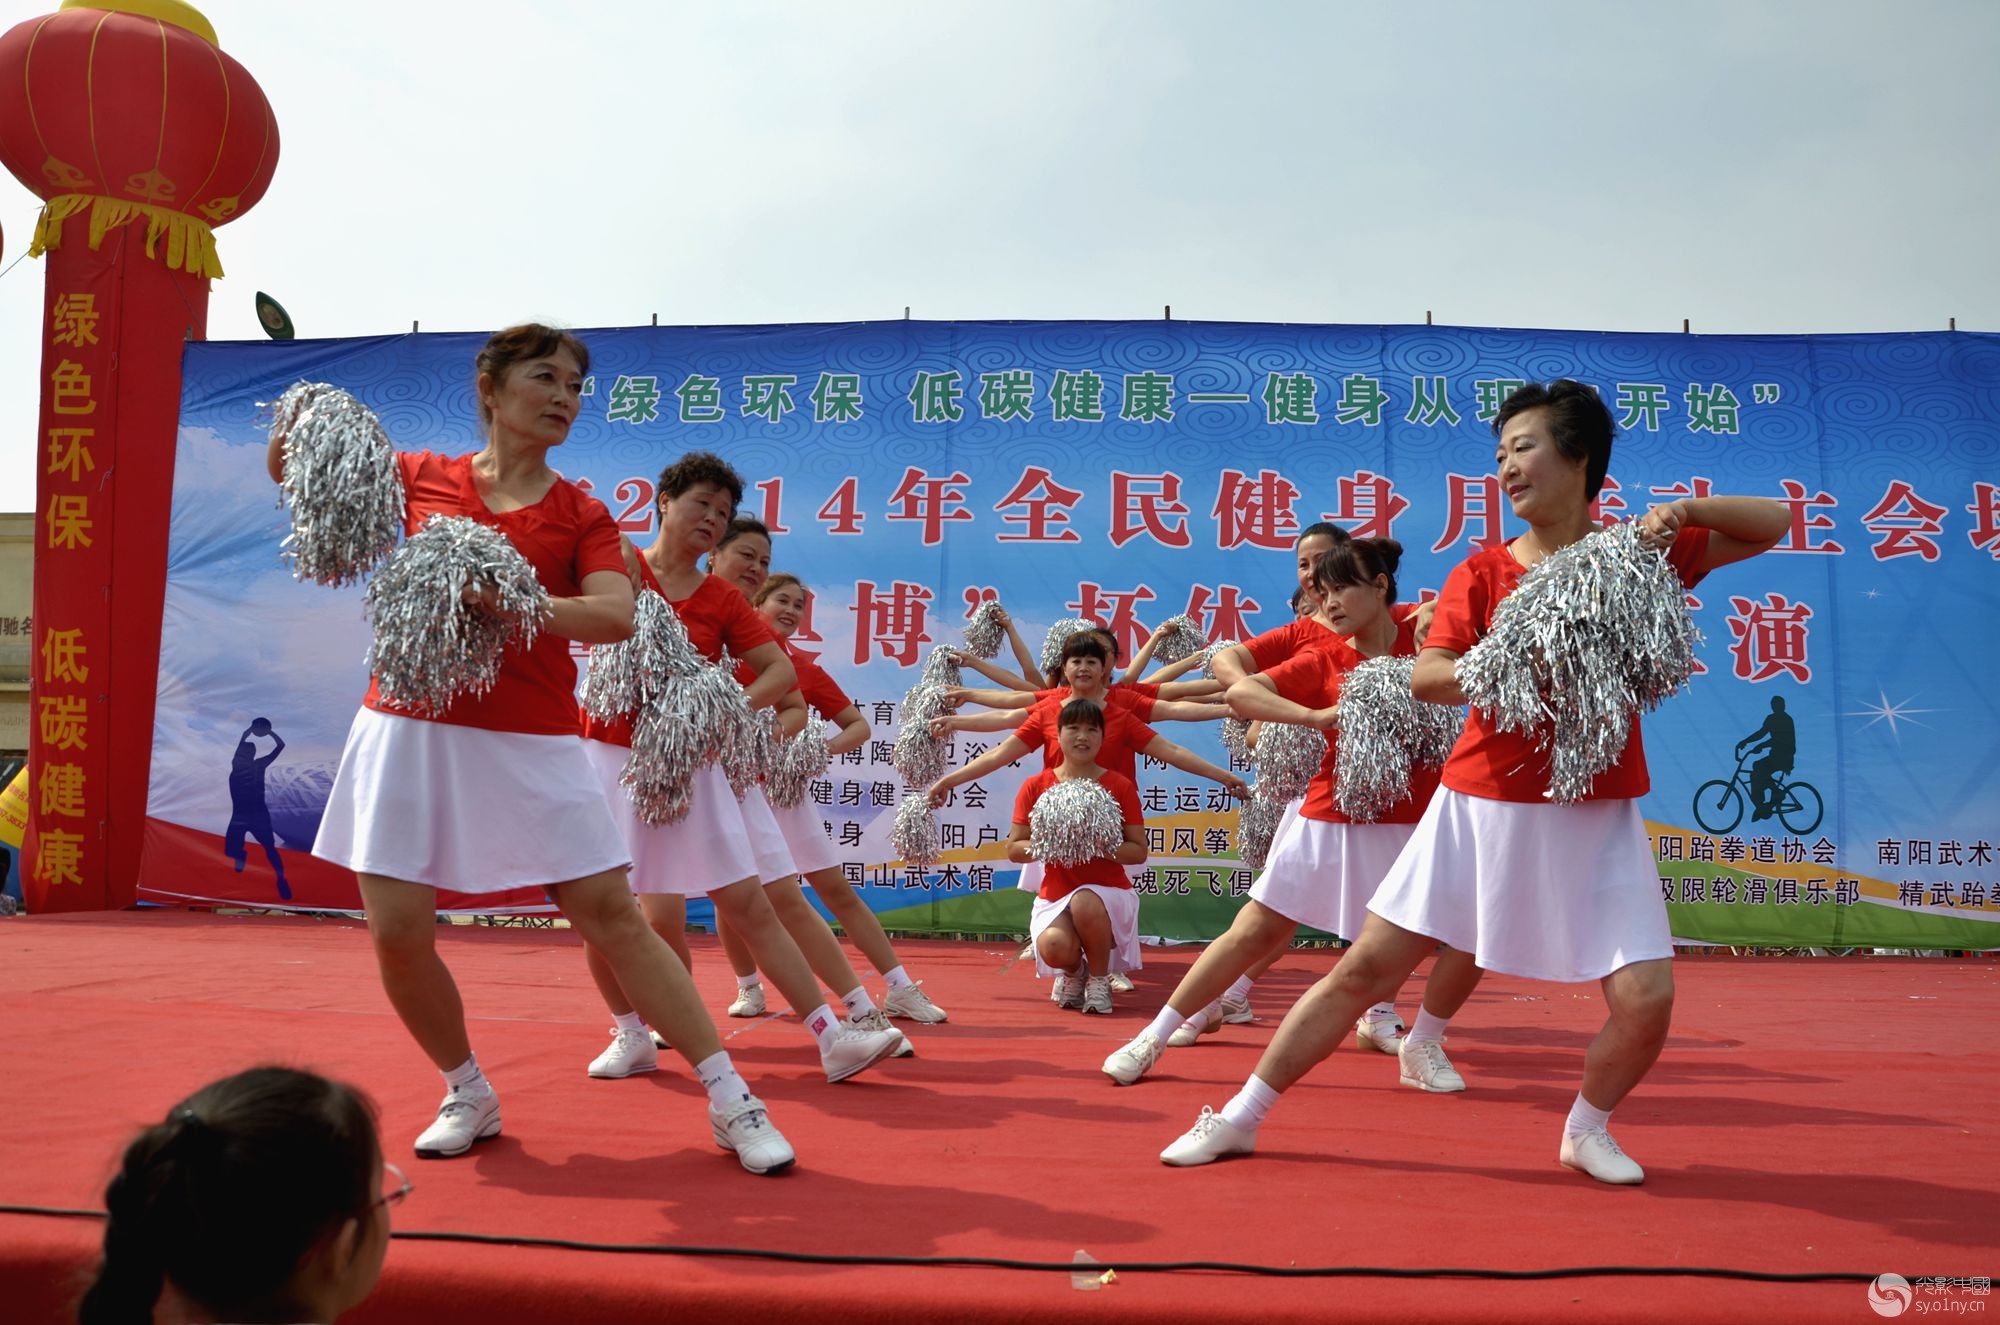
(1553, 892)
(495, 793)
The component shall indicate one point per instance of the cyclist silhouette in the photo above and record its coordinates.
(1782, 748)
(248, 814)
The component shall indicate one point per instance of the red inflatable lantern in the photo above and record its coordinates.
(142, 137)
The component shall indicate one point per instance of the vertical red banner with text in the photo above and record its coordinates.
(69, 726)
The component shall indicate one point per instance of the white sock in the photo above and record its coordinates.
(467, 1076)
(1428, 1027)
(824, 1025)
(746, 981)
(1251, 1106)
(1166, 1023)
(1585, 1117)
(1239, 991)
(718, 1075)
(898, 978)
(629, 1021)
(1380, 1012)
(857, 1002)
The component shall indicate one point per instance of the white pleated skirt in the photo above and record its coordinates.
(1324, 874)
(767, 838)
(467, 809)
(1121, 904)
(1550, 892)
(710, 849)
(807, 841)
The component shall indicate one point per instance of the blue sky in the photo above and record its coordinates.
(1755, 167)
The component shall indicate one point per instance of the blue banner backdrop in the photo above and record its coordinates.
(1133, 470)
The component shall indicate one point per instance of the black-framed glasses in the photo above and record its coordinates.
(395, 1185)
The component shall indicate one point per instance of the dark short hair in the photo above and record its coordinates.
(1083, 644)
(700, 467)
(1080, 713)
(742, 527)
(229, 1193)
(1322, 529)
(519, 344)
(1578, 420)
(1357, 561)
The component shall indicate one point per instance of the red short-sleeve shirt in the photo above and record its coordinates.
(1314, 679)
(1124, 737)
(1059, 881)
(565, 536)
(1296, 636)
(1135, 697)
(715, 614)
(1506, 766)
(821, 691)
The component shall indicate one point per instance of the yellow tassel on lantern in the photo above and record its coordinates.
(190, 242)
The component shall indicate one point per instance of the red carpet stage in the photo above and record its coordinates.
(1810, 1116)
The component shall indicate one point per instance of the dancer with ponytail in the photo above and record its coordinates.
(261, 1199)
(1323, 868)
(495, 793)
(1529, 887)
(723, 847)
(1379, 1028)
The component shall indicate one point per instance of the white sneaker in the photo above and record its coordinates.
(1097, 994)
(854, 1050)
(1595, 1153)
(1067, 990)
(1426, 1067)
(1121, 983)
(1380, 1033)
(1135, 1060)
(1187, 1032)
(631, 1053)
(749, 1001)
(1211, 1138)
(913, 1004)
(1236, 1011)
(876, 1020)
(660, 1041)
(745, 1128)
(465, 1116)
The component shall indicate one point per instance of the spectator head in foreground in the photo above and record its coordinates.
(262, 1197)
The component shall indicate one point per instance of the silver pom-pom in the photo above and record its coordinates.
(921, 755)
(1591, 636)
(626, 675)
(1074, 822)
(750, 745)
(431, 646)
(984, 634)
(1235, 732)
(1235, 735)
(1385, 731)
(800, 760)
(1208, 655)
(679, 730)
(941, 670)
(340, 481)
(1289, 754)
(1059, 633)
(1182, 638)
(914, 836)
(1257, 823)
